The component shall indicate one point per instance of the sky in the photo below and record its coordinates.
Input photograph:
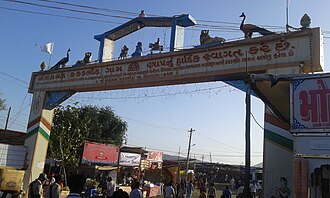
(158, 118)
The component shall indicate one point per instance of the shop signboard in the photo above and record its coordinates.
(310, 101)
(100, 153)
(129, 159)
(154, 156)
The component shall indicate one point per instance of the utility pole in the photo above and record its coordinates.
(210, 157)
(189, 145)
(7, 118)
(287, 15)
(247, 142)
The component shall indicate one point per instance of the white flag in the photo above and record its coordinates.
(48, 48)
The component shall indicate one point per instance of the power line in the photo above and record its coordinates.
(215, 141)
(66, 9)
(91, 7)
(255, 120)
(13, 77)
(227, 28)
(57, 15)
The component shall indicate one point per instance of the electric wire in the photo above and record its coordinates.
(217, 142)
(178, 129)
(223, 28)
(57, 15)
(66, 9)
(14, 77)
(255, 120)
(91, 7)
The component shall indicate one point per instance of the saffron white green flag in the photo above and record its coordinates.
(48, 48)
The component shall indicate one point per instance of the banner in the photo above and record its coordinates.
(155, 156)
(129, 159)
(100, 153)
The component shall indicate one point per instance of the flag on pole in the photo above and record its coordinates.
(48, 48)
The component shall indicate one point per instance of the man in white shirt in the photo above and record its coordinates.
(111, 187)
(253, 188)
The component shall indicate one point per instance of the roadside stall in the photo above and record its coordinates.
(152, 171)
(103, 158)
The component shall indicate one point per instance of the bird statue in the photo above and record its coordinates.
(142, 14)
(62, 63)
(248, 29)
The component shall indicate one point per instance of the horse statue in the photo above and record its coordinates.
(156, 46)
(123, 52)
(138, 50)
(205, 38)
(87, 59)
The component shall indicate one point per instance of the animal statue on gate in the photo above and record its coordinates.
(156, 46)
(248, 29)
(87, 59)
(142, 14)
(62, 63)
(138, 50)
(205, 38)
(123, 52)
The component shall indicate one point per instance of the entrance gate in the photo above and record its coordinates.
(289, 53)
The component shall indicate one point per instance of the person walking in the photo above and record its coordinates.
(190, 189)
(35, 187)
(181, 190)
(54, 189)
(253, 189)
(111, 186)
(211, 191)
(202, 193)
(226, 192)
(169, 191)
(136, 192)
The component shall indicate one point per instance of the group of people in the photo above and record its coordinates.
(182, 189)
(53, 185)
(53, 189)
(186, 190)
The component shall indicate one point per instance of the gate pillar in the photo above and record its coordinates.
(38, 132)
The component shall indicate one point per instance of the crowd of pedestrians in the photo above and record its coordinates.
(51, 187)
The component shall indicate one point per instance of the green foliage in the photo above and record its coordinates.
(72, 126)
(2, 104)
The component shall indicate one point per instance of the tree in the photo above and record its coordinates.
(2, 104)
(72, 126)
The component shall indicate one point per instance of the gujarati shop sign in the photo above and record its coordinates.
(310, 105)
(200, 64)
